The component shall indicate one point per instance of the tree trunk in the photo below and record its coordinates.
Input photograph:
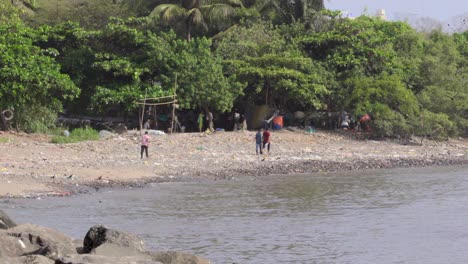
(189, 31)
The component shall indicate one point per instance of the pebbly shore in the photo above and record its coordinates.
(30, 166)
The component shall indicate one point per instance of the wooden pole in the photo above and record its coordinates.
(173, 104)
(143, 114)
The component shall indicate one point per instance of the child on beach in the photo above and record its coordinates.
(266, 139)
(144, 144)
(258, 141)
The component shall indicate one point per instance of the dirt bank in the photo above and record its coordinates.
(31, 166)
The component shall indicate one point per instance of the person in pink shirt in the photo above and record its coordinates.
(144, 144)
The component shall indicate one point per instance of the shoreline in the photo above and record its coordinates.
(34, 168)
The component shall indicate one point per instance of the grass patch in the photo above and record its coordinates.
(76, 135)
(4, 140)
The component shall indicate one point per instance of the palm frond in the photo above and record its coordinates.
(195, 17)
(169, 12)
(218, 12)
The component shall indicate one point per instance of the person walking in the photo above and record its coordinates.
(266, 139)
(258, 142)
(144, 144)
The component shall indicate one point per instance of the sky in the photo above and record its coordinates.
(440, 10)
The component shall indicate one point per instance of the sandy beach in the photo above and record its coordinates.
(30, 166)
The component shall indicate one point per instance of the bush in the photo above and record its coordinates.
(77, 135)
(436, 126)
(35, 119)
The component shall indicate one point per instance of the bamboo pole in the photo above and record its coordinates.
(173, 104)
(143, 114)
(154, 104)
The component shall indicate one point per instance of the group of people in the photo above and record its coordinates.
(209, 121)
(262, 140)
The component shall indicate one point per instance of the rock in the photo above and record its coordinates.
(104, 134)
(99, 235)
(113, 250)
(174, 257)
(5, 221)
(78, 245)
(32, 259)
(120, 129)
(38, 240)
(96, 259)
(10, 246)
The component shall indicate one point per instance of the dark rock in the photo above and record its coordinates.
(5, 221)
(32, 259)
(174, 257)
(38, 240)
(99, 235)
(96, 259)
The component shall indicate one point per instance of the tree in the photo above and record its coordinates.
(291, 11)
(32, 84)
(275, 70)
(197, 13)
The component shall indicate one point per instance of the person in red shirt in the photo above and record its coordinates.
(144, 144)
(266, 139)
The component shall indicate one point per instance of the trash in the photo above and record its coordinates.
(156, 132)
(66, 133)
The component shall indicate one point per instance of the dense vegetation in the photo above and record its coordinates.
(89, 55)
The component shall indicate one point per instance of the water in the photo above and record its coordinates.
(385, 216)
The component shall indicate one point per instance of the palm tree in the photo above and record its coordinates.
(196, 13)
(291, 11)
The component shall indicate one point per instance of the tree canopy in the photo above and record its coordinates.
(89, 55)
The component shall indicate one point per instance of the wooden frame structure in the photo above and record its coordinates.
(155, 101)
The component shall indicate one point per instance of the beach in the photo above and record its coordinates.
(31, 166)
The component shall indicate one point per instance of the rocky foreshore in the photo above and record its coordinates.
(33, 244)
(30, 166)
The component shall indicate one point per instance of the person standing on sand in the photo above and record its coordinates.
(258, 141)
(209, 118)
(144, 144)
(266, 139)
(200, 122)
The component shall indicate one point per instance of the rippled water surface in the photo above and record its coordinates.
(385, 216)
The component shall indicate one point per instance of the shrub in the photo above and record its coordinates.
(77, 135)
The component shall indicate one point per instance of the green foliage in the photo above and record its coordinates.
(91, 14)
(386, 97)
(32, 84)
(197, 13)
(76, 135)
(292, 55)
(434, 125)
(275, 70)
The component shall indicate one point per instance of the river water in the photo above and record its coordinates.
(379, 216)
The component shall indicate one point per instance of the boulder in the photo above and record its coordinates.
(99, 235)
(78, 245)
(120, 129)
(96, 259)
(38, 240)
(5, 221)
(10, 246)
(32, 259)
(104, 134)
(174, 257)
